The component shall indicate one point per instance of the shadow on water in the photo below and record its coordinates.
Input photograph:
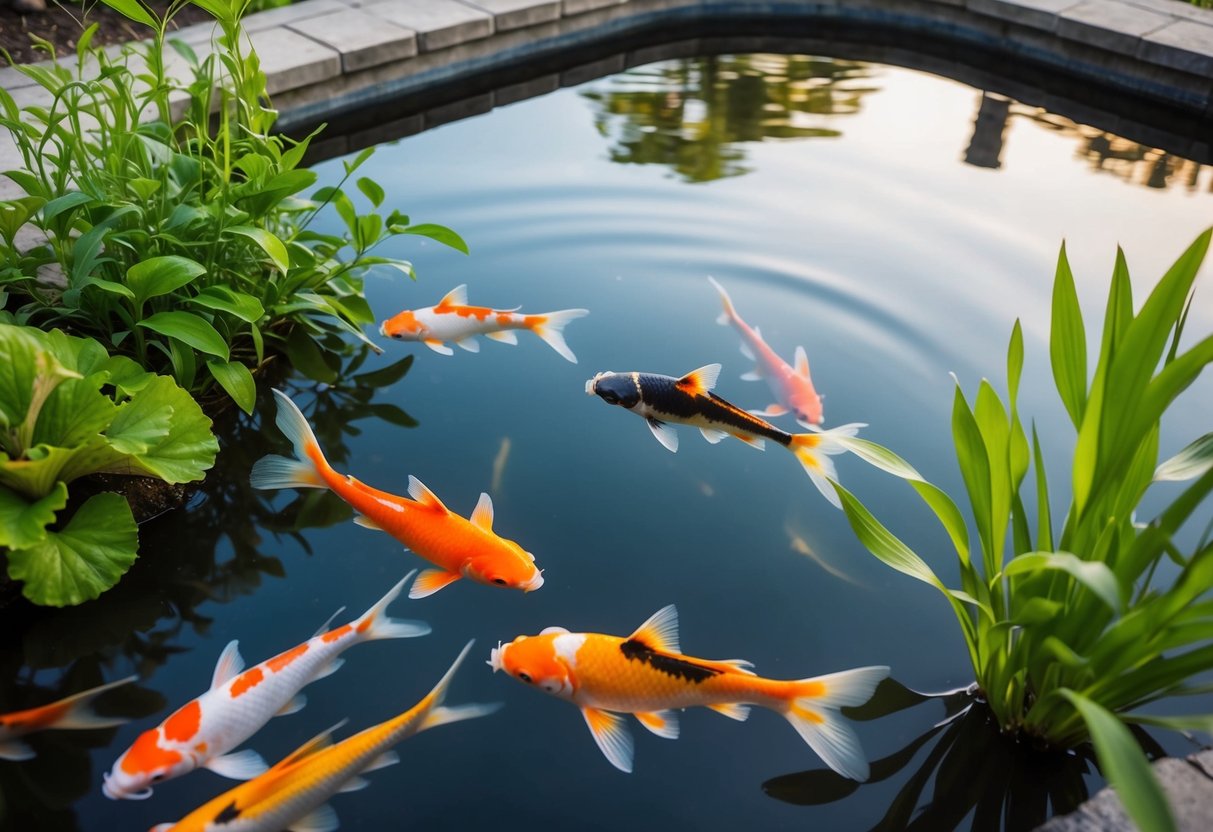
(968, 766)
(208, 552)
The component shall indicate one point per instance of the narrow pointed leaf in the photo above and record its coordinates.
(189, 329)
(1068, 342)
(1188, 464)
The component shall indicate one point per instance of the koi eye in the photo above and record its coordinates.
(499, 581)
(157, 778)
(609, 397)
(524, 677)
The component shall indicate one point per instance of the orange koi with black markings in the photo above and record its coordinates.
(689, 400)
(202, 732)
(646, 675)
(458, 547)
(72, 712)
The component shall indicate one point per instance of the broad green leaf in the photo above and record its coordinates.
(1068, 342)
(29, 374)
(1121, 760)
(1094, 575)
(236, 379)
(75, 413)
(267, 242)
(1185, 722)
(23, 523)
(1188, 464)
(371, 189)
(188, 450)
(67, 202)
(385, 375)
(87, 557)
(245, 307)
(439, 234)
(136, 428)
(133, 10)
(161, 275)
(189, 329)
(307, 357)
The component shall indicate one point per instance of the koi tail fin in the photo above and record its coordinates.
(79, 712)
(439, 714)
(813, 709)
(273, 472)
(551, 326)
(375, 623)
(814, 450)
(729, 312)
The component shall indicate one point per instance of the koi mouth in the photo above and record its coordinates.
(114, 794)
(496, 657)
(534, 583)
(590, 383)
(383, 328)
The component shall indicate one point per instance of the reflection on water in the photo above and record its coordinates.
(693, 114)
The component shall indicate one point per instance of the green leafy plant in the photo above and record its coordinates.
(1067, 631)
(176, 228)
(69, 409)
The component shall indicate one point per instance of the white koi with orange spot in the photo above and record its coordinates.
(645, 675)
(453, 320)
(792, 386)
(202, 732)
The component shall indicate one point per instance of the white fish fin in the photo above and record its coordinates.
(354, 784)
(813, 450)
(662, 723)
(755, 442)
(713, 436)
(387, 758)
(551, 330)
(438, 346)
(81, 715)
(419, 492)
(162, 827)
(550, 630)
(329, 669)
(660, 631)
(297, 703)
(505, 336)
(753, 375)
(733, 710)
(748, 352)
(726, 301)
(445, 715)
(240, 765)
(723, 319)
(273, 472)
(319, 742)
(697, 382)
(430, 581)
(771, 412)
(470, 344)
(375, 623)
(482, 515)
(665, 434)
(802, 363)
(612, 735)
(320, 819)
(746, 667)
(816, 718)
(758, 333)
(456, 297)
(229, 665)
(324, 628)
(16, 750)
(367, 523)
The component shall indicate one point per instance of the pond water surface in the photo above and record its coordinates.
(893, 223)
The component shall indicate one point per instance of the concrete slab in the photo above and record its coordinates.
(1183, 45)
(1039, 14)
(295, 12)
(1109, 24)
(363, 40)
(571, 7)
(291, 60)
(516, 14)
(527, 89)
(439, 24)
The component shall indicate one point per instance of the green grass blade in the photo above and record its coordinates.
(1068, 342)
(1094, 575)
(1190, 463)
(975, 468)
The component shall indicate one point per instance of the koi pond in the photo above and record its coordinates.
(893, 223)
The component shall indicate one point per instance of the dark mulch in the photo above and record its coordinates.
(62, 24)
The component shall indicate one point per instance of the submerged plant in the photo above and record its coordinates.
(68, 409)
(177, 231)
(1068, 633)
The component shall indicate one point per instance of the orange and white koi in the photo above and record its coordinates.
(453, 320)
(645, 675)
(72, 712)
(689, 400)
(293, 794)
(458, 547)
(202, 732)
(793, 388)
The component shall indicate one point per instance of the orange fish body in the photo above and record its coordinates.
(458, 547)
(646, 675)
(292, 794)
(72, 712)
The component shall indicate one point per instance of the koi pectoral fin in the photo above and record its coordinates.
(664, 434)
(242, 765)
(438, 347)
(16, 750)
(430, 581)
(322, 819)
(771, 411)
(713, 436)
(612, 735)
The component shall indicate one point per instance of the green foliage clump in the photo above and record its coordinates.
(1068, 634)
(177, 230)
(69, 409)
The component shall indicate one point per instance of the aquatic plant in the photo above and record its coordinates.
(1068, 634)
(69, 409)
(175, 224)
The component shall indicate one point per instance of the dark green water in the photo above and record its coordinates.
(835, 202)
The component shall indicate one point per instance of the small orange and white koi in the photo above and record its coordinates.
(793, 388)
(645, 674)
(202, 732)
(72, 712)
(293, 794)
(458, 547)
(453, 320)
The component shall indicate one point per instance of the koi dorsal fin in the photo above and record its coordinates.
(660, 632)
(456, 297)
(698, 382)
(317, 743)
(423, 495)
(229, 665)
(482, 515)
(802, 363)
